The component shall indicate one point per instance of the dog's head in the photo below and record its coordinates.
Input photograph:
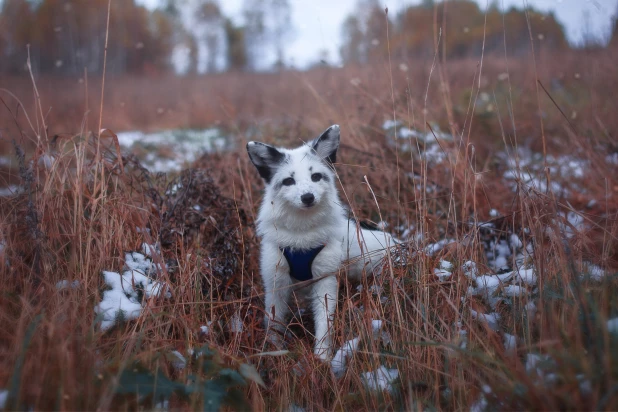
(302, 177)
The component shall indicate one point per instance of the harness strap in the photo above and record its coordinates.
(300, 261)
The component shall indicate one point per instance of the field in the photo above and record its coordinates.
(497, 175)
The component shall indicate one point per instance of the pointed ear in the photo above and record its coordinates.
(265, 158)
(327, 144)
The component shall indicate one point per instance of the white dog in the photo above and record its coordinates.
(307, 237)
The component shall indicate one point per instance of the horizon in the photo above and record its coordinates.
(317, 24)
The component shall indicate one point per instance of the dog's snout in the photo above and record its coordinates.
(307, 198)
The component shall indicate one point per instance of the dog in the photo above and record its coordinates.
(306, 235)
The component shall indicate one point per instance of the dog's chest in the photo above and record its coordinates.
(314, 263)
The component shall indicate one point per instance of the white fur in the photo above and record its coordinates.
(285, 221)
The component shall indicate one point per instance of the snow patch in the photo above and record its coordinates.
(339, 362)
(66, 284)
(4, 396)
(612, 325)
(178, 361)
(491, 319)
(128, 292)
(380, 379)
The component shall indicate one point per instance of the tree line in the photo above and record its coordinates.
(191, 36)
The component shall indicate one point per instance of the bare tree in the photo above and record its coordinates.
(210, 16)
(281, 27)
(254, 12)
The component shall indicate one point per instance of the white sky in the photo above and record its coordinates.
(317, 23)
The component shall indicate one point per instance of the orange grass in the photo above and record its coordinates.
(78, 217)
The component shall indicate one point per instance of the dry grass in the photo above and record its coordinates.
(77, 218)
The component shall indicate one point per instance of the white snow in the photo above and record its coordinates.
(10, 190)
(510, 343)
(378, 332)
(433, 248)
(612, 325)
(515, 242)
(514, 291)
(178, 361)
(530, 309)
(205, 329)
(4, 396)
(389, 124)
(526, 276)
(593, 271)
(338, 364)
(123, 300)
(115, 302)
(185, 146)
(66, 284)
(462, 335)
(444, 272)
(380, 379)
(470, 270)
(235, 325)
(533, 367)
(491, 319)
(527, 167)
(150, 250)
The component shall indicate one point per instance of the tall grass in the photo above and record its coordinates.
(68, 224)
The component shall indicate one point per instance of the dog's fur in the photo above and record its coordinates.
(286, 221)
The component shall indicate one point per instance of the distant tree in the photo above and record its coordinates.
(211, 19)
(267, 29)
(353, 47)
(465, 30)
(236, 53)
(364, 33)
(280, 14)
(66, 37)
(613, 40)
(16, 20)
(255, 31)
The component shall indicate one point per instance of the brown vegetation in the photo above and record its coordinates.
(79, 216)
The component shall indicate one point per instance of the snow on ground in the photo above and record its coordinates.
(129, 291)
(410, 140)
(235, 325)
(380, 379)
(510, 343)
(444, 272)
(169, 150)
(344, 354)
(528, 167)
(482, 404)
(340, 360)
(612, 325)
(206, 329)
(10, 190)
(178, 361)
(66, 284)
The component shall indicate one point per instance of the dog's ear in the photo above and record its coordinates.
(265, 158)
(327, 144)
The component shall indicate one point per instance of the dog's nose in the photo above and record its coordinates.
(307, 198)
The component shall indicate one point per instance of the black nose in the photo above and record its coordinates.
(307, 198)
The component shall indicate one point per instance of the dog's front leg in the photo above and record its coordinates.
(323, 302)
(277, 295)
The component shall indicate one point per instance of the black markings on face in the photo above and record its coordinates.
(288, 181)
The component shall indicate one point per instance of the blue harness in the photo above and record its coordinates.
(300, 261)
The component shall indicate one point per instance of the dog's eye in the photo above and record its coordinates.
(316, 177)
(288, 181)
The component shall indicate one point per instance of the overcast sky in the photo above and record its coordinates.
(317, 23)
